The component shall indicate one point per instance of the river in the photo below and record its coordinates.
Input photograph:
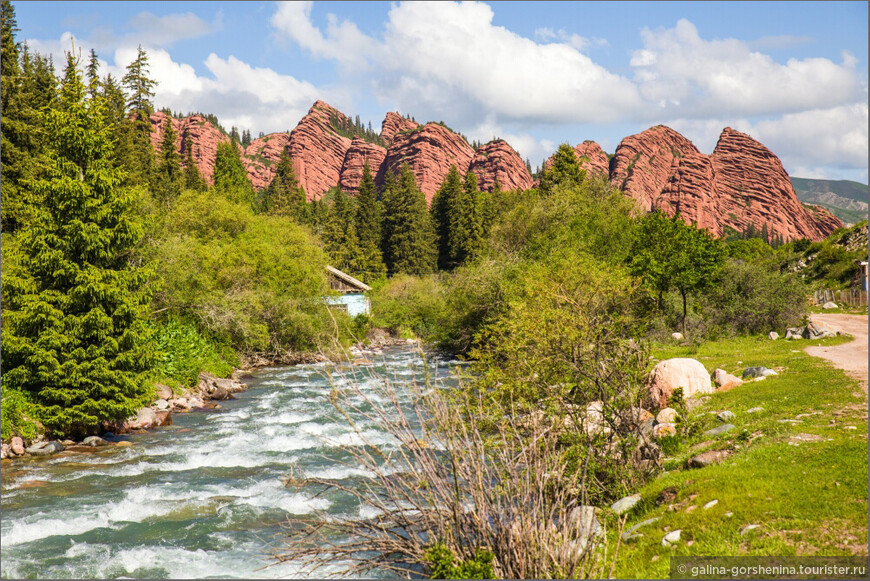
(203, 497)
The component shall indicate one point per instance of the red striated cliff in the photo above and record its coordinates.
(498, 161)
(360, 153)
(203, 137)
(592, 158)
(429, 150)
(262, 155)
(394, 123)
(318, 150)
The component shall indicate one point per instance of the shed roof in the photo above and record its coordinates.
(347, 279)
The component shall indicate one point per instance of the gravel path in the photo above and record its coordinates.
(850, 357)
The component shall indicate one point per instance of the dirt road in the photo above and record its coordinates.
(850, 357)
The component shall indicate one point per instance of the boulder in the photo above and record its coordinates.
(724, 380)
(4, 451)
(94, 441)
(45, 448)
(162, 418)
(625, 504)
(677, 336)
(662, 430)
(162, 391)
(143, 420)
(17, 446)
(161, 404)
(221, 394)
(582, 521)
(830, 305)
(794, 333)
(754, 410)
(195, 402)
(632, 533)
(707, 458)
(773, 335)
(816, 331)
(670, 374)
(594, 421)
(180, 404)
(720, 430)
(667, 416)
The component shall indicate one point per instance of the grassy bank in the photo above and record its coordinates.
(803, 482)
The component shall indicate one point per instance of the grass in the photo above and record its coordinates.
(841, 309)
(809, 498)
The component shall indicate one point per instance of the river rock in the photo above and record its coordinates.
(671, 539)
(162, 418)
(143, 420)
(707, 458)
(221, 394)
(94, 441)
(195, 402)
(667, 416)
(759, 371)
(625, 504)
(162, 391)
(4, 451)
(685, 373)
(632, 533)
(180, 404)
(17, 446)
(46, 448)
(161, 404)
(720, 430)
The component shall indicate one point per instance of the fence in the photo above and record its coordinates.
(852, 297)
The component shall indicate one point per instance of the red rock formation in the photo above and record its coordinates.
(393, 124)
(691, 191)
(360, 153)
(204, 139)
(262, 155)
(430, 151)
(643, 163)
(318, 151)
(592, 158)
(753, 188)
(498, 161)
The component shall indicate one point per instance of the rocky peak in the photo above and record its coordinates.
(203, 136)
(360, 153)
(429, 150)
(262, 155)
(394, 123)
(592, 158)
(318, 150)
(498, 161)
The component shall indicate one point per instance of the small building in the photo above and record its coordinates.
(352, 298)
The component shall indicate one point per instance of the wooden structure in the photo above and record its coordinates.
(352, 298)
(854, 297)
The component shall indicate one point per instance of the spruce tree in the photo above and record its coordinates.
(410, 240)
(230, 175)
(74, 334)
(471, 215)
(170, 178)
(139, 85)
(444, 206)
(339, 233)
(564, 171)
(284, 196)
(93, 75)
(368, 228)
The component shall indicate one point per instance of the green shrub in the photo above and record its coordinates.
(443, 566)
(409, 305)
(16, 415)
(183, 352)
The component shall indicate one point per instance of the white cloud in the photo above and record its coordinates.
(165, 30)
(693, 77)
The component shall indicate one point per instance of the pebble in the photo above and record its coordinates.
(625, 504)
(748, 528)
(754, 410)
(711, 504)
(720, 430)
(728, 514)
(725, 416)
(632, 532)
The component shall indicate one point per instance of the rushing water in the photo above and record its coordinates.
(203, 497)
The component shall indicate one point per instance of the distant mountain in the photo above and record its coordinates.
(846, 199)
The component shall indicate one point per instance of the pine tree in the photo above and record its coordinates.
(193, 179)
(284, 196)
(140, 86)
(471, 215)
(234, 134)
(74, 333)
(410, 240)
(13, 128)
(171, 180)
(230, 176)
(563, 172)
(138, 152)
(339, 233)
(368, 228)
(93, 75)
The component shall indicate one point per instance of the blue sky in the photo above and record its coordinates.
(791, 74)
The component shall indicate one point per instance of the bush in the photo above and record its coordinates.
(182, 352)
(16, 414)
(410, 305)
(754, 297)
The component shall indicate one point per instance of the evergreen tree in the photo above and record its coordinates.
(93, 75)
(193, 180)
(230, 176)
(444, 204)
(234, 134)
(368, 228)
(339, 234)
(284, 196)
(171, 180)
(410, 240)
(13, 128)
(140, 86)
(563, 172)
(138, 151)
(74, 334)
(471, 215)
